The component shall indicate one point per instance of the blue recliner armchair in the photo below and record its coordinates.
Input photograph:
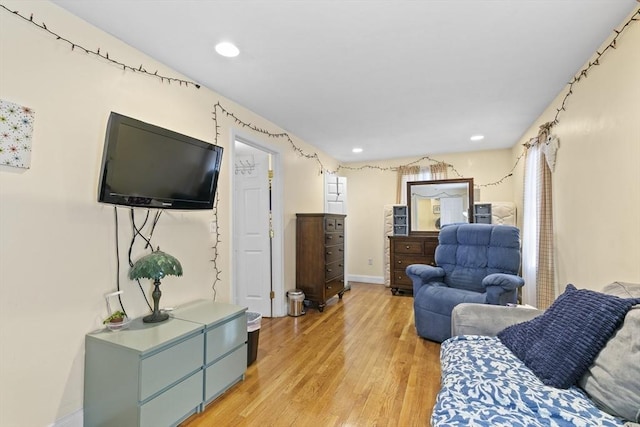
(476, 263)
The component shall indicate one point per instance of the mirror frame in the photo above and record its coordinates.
(411, 184)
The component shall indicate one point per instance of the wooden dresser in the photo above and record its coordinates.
(407, 250)
(320, 256)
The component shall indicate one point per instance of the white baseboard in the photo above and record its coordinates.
(377, 280)
(75, 419)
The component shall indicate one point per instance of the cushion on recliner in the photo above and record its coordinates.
(462, 253)
(469, 253)
(441, 300)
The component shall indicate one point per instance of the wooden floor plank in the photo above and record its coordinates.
(359, 363)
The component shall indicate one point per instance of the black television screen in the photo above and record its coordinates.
(148, 166)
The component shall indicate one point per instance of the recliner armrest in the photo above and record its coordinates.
(508, 282)
(486, 319)
(421, 274)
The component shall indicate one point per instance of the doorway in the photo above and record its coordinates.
(257, 227)
(335, 201)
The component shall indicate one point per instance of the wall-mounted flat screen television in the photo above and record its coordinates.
(148, 166)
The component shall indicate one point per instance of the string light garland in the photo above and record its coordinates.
(546, 127)
(105, 56)
(315, 156)
(299, 150)
(216, 252)
(583, 74)
(265, 132)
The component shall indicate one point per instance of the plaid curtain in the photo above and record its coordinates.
(538, 249)
(546, 289)
(405, 173)
(439, 170)
(418, 173)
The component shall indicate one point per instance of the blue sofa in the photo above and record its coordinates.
(476, 263)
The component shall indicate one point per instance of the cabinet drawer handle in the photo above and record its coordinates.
(340, 250)
(341, 236)
(329, 253)
(329, 237)
(329, 270)
(407, 247)
(399, 262)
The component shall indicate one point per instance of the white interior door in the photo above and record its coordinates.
(335, 194)
(252, 266)
(451, 210)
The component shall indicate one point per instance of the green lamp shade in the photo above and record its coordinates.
(155, 266)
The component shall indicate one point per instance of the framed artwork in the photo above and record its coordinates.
(16, 132)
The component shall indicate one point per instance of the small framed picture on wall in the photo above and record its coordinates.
(16, 131)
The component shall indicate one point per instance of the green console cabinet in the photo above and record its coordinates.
(159, 374)
(225, 343)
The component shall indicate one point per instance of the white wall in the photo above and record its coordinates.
(57, 244)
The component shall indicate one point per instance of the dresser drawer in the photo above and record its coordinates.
(430, 246)
(333, 270)
(408, 247)
(402, 262)
(339, 224)
(401, 278)
(333, 253)
(170, 365)
(223, 338)
(331, 239)
(330, 224)
(225, 372)
(333, 286)
(173, 405)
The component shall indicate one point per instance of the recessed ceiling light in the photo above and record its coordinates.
(477, 137)
(357, 150)
(227, 49)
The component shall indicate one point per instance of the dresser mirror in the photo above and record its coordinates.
(433, 204)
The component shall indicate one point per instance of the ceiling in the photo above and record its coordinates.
(397, 78)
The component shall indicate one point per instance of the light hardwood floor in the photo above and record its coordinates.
(359, 363)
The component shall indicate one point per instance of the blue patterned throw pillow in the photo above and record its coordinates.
(561, 344)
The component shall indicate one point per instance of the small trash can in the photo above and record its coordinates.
(253, 331)
(296, 302)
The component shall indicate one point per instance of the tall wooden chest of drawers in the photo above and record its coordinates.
(320, 256)
(407, 250)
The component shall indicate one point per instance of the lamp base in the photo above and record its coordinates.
(155, 317)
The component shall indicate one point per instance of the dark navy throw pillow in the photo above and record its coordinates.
(561, 344)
